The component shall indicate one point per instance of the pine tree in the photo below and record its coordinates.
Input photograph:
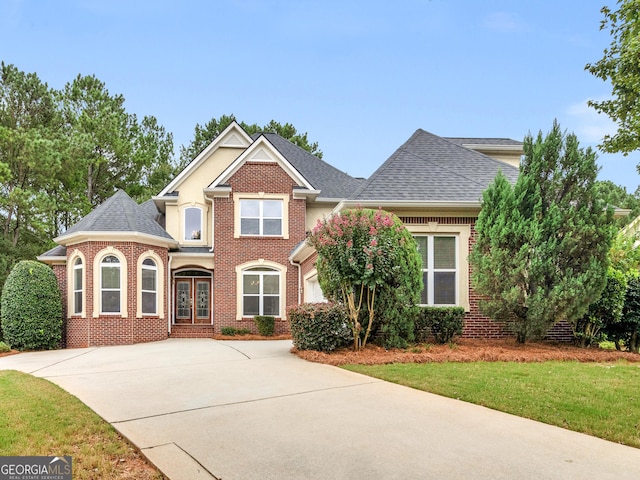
(541, 250)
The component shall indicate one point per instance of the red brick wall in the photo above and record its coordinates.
(229, 251)
(114, 329)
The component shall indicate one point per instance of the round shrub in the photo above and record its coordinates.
(319, 326)
(31, 308)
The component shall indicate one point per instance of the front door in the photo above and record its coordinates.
(193, 300)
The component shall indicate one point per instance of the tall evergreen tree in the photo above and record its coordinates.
(541, 249)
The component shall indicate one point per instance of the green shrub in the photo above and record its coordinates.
(4, 348)
(233, 331)
(443, 323)
(604, 313)
(266, 324)
(627, 331)
(319, 326)
(31, 307)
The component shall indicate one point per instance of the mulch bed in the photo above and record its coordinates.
(469, 350)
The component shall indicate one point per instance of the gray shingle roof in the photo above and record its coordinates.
(57, 251)
(483, 141)
(332, 182)
(429, 168)
(120, 213)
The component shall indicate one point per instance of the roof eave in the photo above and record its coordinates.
(52, 260)
(88, 236)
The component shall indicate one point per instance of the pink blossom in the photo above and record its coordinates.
(374, 242)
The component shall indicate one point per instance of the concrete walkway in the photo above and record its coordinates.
(205, 409)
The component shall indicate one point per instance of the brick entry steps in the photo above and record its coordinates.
(191, 331)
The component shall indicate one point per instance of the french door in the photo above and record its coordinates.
(193, 301)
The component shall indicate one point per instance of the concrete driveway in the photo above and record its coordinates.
(239, 410)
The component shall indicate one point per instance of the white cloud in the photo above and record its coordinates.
(589, 125)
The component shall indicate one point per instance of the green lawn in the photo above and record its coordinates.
(39, 418)
(602, 400)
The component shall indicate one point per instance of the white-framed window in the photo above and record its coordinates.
(260, 292)
(78, 274)
(439, 269)
(110, 285)
(261, 217)
(193, 223)
(149, 288)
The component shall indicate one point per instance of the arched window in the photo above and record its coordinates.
(260, 292)
(77, 286)
(149, 287)
(192, 223)
(110, 284)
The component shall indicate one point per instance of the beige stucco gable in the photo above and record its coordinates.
(186, 191)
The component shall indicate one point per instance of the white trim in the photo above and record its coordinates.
(462, 234)
(88, 236)
(281, 269)
(71, 278)
(97, 282)
(182, 212)
(219, 141)
(150, 254)
(238, 197)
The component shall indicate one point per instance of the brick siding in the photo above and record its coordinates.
(230, 252)
(113, 329)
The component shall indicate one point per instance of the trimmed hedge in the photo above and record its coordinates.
(31, 307)
(319, 326)
(233, 331)
(266, 324)
(443, 323)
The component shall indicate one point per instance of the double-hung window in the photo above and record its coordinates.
(261, 217)
(260, 292)
(149, 287)
(77, 286)
(439, 269)
(110, 284)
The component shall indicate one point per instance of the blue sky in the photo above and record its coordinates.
(359, 76)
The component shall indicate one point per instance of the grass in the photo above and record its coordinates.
(39, 418)
(602, 400)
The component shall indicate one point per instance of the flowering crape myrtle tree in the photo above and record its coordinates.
(361, 254)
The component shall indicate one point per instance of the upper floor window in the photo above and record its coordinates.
(192, 223)
(261, 217)
(149, 287)
(110, 284)
(77, 286)
(439, 269)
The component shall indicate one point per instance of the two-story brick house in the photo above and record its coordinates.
(224, 241)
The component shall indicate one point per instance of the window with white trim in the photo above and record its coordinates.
(439, 269)
(78, 273)
(260, 292)
(110, 284)
(193, 223)
(261, 217)
(149, 287)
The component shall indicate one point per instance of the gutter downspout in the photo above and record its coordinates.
(212, 227)
(169, 298)
(299, 279)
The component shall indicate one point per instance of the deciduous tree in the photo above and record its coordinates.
(621, 67)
